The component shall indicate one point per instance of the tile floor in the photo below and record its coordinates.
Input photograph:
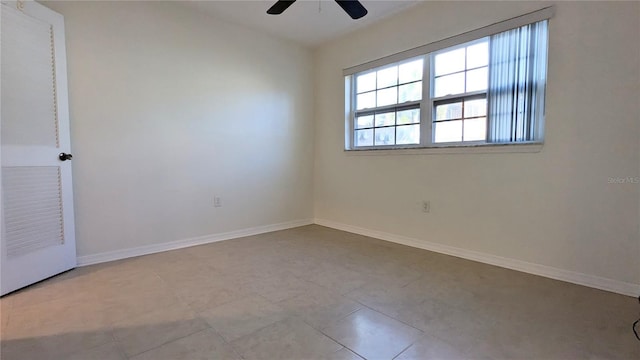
(311, 293)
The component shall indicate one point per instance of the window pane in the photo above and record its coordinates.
(448, 131)
(366, 82)
(385, 136)
(449, 85)
(409, 134)
(478, 55)
(385, 119)
(366, 100)
(475, 129)
(410, 92)
(364, 121)
(473, 108)
(388, 77)
(477, 79)
(408, 116)
(387, 96)
(364, 137)
(411, 71)
(449, 111)
(450, 61)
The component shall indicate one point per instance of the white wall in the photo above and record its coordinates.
(169, 107)
(553, 208)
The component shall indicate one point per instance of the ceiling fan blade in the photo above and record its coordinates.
(280, 6)
(353, 8)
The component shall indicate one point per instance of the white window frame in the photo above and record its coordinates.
(416, 104)
(427, 102)
(429, 139)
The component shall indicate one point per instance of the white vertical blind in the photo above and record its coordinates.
(517, 73)
(29, 114)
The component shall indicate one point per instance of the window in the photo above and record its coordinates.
(459, 101)
(388, 105)
(476, 90)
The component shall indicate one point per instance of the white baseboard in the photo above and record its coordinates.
(593, 281)
(179, 244)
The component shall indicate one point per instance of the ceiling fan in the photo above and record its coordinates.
(351, 7)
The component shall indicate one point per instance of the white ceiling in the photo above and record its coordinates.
(301, 22)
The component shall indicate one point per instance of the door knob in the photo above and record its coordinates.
(64, 156)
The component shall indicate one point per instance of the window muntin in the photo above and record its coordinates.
(465, 94)
(460, 119)
(461, 70)
(390, 85)
(387, 103)
(460, 79)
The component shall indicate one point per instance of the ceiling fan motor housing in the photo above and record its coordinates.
(352, 7)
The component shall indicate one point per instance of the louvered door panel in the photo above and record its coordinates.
(32, 208)
(29, 113)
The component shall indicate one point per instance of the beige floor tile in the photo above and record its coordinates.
(320, 308)
(249, 276)
(302, 266)
(203, 296)
(109, 351)
(125, 306)
(338, 278)
(381, 266)
(287, 339)
(444, 288)
(134, 283)
(462, 329)
(112, 271)
(24, 349)
(393, 274)
(342, 354)
(508, 343)
(5, 309)
(3, 325)
(58, 346)
(584, 338)
(110, 268)
(373, 335)
(167, 259)
(571, 349)
(281, 287)
(153, 329)
(242, 317)
(225, 254)
(389, 300)
(58, 327)
(53, 318)
(431, 348)
(70, 286)
(184, 272)
(408, 255)
(319, 277)
(413, 306)
(255, 262)
(203, 345)
(434, 315)
(326, 251)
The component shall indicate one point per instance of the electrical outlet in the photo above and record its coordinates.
(426, 206)
(217, 201)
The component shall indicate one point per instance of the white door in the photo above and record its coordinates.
(37, 202)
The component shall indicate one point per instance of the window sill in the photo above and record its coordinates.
(451, 149)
